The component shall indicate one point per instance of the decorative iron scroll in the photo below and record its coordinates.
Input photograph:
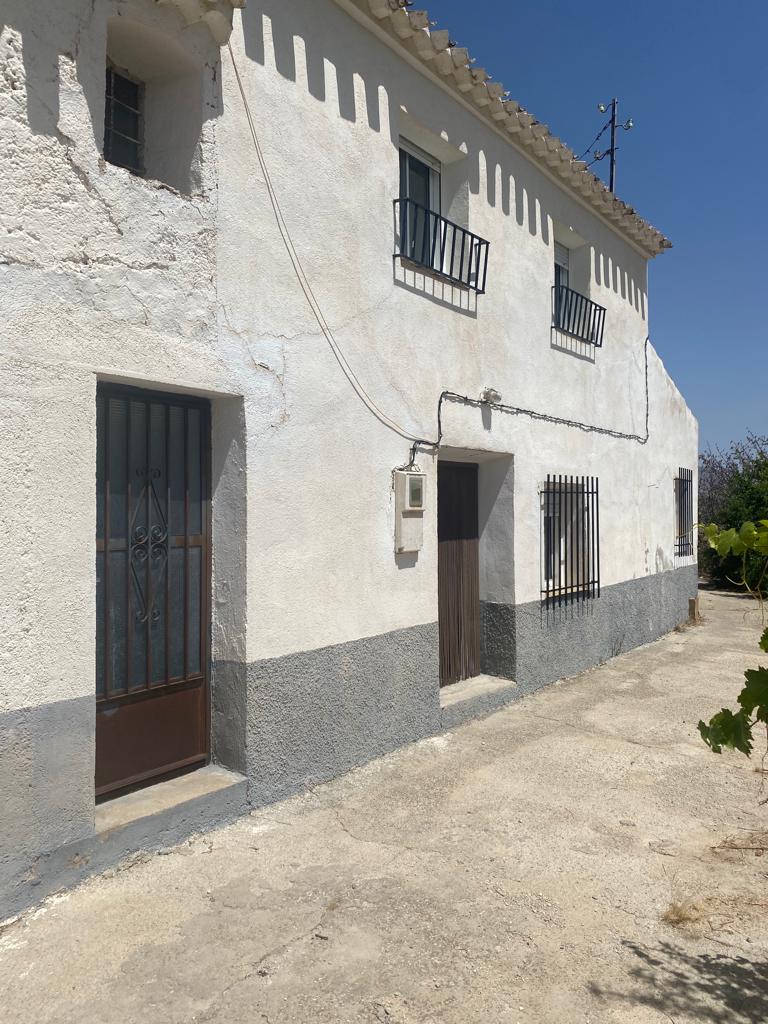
(148, 545)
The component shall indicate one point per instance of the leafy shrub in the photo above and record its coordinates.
(733, 489)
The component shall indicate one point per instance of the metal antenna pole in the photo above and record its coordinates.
(614, 113)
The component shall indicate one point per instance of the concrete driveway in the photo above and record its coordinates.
(516, 869)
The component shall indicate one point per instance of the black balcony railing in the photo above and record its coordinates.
(577, 315)
(439, 245)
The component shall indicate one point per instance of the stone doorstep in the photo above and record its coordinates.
(162, 797)
(146, 820)
(474, 698)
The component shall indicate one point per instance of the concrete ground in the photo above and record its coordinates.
(517, 869)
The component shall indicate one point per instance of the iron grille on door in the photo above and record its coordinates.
(684, 512)
(151, 543)
(570, 527)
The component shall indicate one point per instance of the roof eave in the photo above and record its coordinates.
(411, 32)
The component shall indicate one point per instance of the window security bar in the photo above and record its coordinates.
(684, 509)
(444, 248)
(570, 540)
(577, 315)
(123, 122)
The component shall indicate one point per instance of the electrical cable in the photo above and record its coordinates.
(532, 414)
(417, 442)
(596, 139)
(302, 277)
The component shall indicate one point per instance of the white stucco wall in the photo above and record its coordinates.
(105, 276)
(327, 99)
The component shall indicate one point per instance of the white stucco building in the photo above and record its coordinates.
(338, 244)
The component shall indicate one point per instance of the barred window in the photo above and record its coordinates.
(570, 539)
(684, 512)
(124, 121)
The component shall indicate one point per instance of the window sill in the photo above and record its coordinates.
(572, 597)
(430, 272)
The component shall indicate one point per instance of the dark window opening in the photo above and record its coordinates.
(124, 122)
(420, 179)
(684, 512)
(562, 265)
(570, 525)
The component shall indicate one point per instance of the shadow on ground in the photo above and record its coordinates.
(713, 988)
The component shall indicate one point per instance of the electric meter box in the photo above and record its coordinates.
(410, 496)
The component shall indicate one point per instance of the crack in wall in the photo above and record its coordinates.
(261, 364)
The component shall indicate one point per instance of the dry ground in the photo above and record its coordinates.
(517, 869)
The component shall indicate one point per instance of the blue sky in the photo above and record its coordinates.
(694, 78)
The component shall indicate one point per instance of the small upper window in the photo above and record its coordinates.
(573, 312)
(124, 121)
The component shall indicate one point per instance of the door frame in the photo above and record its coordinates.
(118, 389)
(471, 470)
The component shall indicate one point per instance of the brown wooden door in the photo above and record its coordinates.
(458, 571)
(152, 585)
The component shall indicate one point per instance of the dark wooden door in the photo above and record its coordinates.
(152, 585)
(458, 571)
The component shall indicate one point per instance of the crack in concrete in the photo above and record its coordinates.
(401, 847)
(253, 968)
(579, 727)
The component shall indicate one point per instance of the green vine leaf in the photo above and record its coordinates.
(725, 542)
(748, 534)
(755, 693)
(764, 640)
(726, 729)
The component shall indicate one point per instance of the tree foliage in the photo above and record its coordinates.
(733, 489)
(748, 546)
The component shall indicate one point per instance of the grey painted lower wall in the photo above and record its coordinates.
(317, 714)
(46, 781)
(302, 719)
(314, 715)
(229, 696)
(31, 880)
(534, 645)
(497, 639)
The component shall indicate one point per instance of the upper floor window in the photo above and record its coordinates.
(419, 177)
(573, 313)
(159, 90)
(124, 121)
(562, 264)
(428, 239)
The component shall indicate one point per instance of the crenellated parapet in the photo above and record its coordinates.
(413, 30)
